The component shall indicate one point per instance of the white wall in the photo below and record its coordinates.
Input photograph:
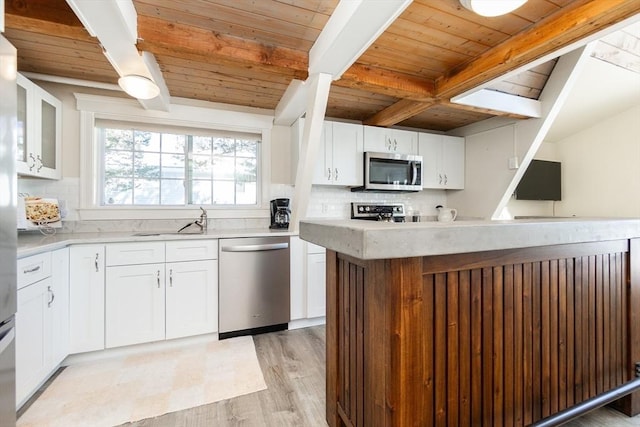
(601, 168)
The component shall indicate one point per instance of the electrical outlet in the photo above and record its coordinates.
(325, 208)
(513, 163)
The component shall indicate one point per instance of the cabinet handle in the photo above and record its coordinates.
(53, 296)
(171, 278)
(158, 278)
(336, 174)
(328, 174)
(41, 164)
(31, 270)
(33, 165)
(96, 262)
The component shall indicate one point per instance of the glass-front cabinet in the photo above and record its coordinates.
(39, 131)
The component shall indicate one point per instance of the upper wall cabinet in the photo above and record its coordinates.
(339, 160)
(443, 161)
(385, 140)
(39, 131)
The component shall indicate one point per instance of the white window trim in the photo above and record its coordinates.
(92, 107)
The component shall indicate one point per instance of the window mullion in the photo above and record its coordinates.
(188, 173)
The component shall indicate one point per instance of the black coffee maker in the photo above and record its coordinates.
(280, 214)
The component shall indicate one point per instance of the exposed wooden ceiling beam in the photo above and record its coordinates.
(398, 112)
(569, 25)
(385, 82)
(164, 38)
(158, 35)
(43, 11)
(38, 26)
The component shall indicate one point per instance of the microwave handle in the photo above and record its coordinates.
(414, 173)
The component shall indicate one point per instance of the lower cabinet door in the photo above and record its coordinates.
(316, 277)
(32, 335)
(191, 298)
(134, 304)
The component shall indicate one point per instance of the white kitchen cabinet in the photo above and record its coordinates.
(191, 298)
(59, 305)
(386, 140)
(41, 320)
(134, 304)
(160, 290)
(308, 273)
(316, 284)
(39, 131)
(339, 160)
(32, 338)
(86, 298)
(443, 161)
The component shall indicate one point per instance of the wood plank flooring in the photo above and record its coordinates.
(293, 364)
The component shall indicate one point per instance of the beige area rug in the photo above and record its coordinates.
(131, 388)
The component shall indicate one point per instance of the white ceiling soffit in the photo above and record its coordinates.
(353, 26)
(499, 101)
(115, 24)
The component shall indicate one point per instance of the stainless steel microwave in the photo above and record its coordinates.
(391, 172)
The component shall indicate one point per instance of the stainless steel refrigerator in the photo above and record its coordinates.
(8, 233)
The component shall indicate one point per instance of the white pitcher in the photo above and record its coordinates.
(446, 214)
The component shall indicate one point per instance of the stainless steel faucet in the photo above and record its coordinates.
(201, 222)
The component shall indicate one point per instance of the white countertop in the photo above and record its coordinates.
(379, 240)
(32, 243)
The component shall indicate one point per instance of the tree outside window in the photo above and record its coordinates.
(147, 168)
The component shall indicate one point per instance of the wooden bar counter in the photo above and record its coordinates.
(477, 323)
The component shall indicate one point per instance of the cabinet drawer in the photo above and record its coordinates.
(191, 250)
(135, 253)
(34, 268)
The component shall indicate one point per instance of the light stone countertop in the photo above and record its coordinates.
(380, 240)
(33, 242)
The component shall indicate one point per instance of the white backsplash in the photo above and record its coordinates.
(325, 202)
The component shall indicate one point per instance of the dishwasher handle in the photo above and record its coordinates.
(255, 248)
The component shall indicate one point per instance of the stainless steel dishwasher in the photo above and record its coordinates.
(253, 285)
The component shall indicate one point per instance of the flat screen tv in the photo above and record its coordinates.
(541, 181)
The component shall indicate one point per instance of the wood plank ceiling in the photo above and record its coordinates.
(245, 52)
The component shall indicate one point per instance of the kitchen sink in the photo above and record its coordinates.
(168, 233)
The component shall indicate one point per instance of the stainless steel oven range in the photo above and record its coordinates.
(392, 212)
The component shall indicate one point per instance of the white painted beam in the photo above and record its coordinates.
(353, 26)
(162, 101)
(318, 89)
(499, 101)
(292, 104)
(115, 24)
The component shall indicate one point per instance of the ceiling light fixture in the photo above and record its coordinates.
(492, 7)
(139, 87)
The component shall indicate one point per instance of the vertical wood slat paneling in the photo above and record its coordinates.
(534, 339)
(503, 345)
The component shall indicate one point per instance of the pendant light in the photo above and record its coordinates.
(139, 87)
(492, 7)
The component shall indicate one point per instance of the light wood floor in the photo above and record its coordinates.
(294, 370)
(293, 364)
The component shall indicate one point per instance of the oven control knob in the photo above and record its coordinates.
(367, 208)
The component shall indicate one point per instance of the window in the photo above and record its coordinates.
(147, 165)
